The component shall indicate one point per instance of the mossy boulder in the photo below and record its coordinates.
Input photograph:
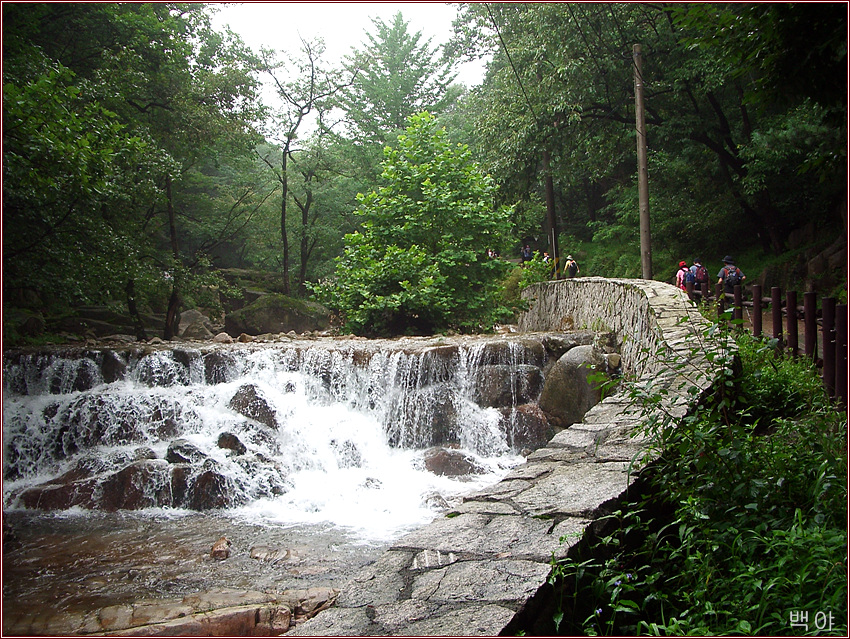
(274, 313)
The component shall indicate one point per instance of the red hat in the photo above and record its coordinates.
(683, 263)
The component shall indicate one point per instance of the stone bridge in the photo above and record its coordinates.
(476, 570)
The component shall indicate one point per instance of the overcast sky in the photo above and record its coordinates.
(342, 25)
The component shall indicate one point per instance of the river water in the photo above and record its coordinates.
(334, 469)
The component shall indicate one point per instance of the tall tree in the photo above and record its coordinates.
(419, 261)
(397, 74)
(171, 94)
(561, 74)
(305, 96)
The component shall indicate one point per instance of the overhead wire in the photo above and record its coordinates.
(511, 62)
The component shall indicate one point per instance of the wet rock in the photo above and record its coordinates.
(314, 600)
(271, 555)
(500, 385)
(347, 454)
(217, 367)
(527, 427)
(212, 490)
(181, 451)
(248, 401)
(223, 338)
(54, 496)
(221, 549)
(163, 369)
(451, 463)
(143, 484)
(568, 394)
(143, 452)
(113, 367)
(428, 418)
(436, 501)
(229, 441)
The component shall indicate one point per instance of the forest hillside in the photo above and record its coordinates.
(142, 166)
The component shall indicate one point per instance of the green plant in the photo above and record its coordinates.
(419, 261)
(738, 524)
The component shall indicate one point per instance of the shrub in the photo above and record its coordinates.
(419, 261)
(741, 525)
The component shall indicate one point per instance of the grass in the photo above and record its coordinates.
(740, 528)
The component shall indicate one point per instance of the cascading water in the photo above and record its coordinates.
(122, 467)
(333, 432)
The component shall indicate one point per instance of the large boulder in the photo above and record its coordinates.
(527, 427)
(501, 385)
(568, 394)
(274, 313)
(250, 402)
(450, 463)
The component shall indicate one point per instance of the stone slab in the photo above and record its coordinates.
(576, 489)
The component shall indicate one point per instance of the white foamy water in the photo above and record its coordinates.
(332, 436)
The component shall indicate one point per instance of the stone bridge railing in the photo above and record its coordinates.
(475, 570)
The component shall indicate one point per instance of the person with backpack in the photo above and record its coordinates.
(681, 274)
(572, 267)
(730, 275)
(700, 273)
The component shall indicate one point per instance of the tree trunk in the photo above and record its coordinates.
(171, 319)
(551, 219)
(138, 325)
(284, 183)
(305, 248)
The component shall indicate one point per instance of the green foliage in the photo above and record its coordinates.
(734, 160)
(535, 270)
(395, 75)
(419, 261)
(740, 523)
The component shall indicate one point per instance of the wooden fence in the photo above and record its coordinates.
(829, 353)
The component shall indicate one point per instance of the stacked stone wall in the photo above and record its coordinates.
(482, 568)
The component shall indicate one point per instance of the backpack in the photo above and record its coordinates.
(690, 278)
(702, 274)
(572, 268)
(733, 275)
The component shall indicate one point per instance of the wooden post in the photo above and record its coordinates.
(756, 310)
(738, 312)
(810, 317)
(776, 313)
(721, 298)
(643, 178)
(551, 218)
(791, 319)
(829, 345)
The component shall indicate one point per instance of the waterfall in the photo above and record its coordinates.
(336, 431)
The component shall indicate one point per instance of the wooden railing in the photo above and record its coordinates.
(829, 352)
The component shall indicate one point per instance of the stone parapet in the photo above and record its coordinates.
(473, 571)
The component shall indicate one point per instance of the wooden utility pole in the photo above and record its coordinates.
(643, 179)
(551, 219)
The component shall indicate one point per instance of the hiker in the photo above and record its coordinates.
(526, 253)
(730, 275)
(572, 267)
(680, 275)
(700, 274)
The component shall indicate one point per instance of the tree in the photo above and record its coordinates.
(419, 261)
(308, 93)
(724, 165)
(122, 101)
(397, 75)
